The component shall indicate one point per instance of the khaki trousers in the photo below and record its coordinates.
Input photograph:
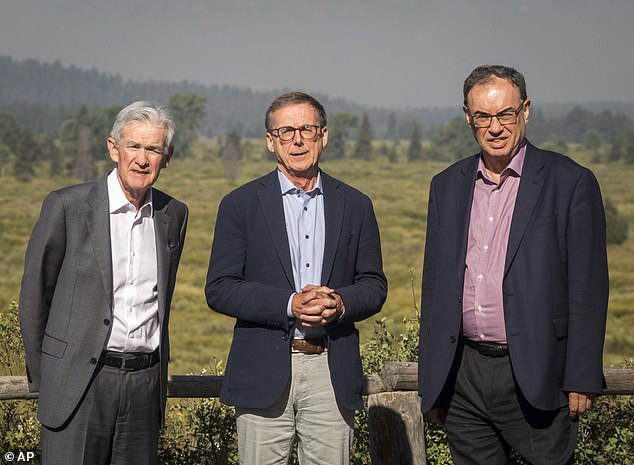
(307, 413)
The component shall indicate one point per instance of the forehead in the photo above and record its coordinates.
(143, 130)
(495, 92)
(295, 115)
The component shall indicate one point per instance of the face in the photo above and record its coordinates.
(499, 143)
(297, 158)
(139, 157)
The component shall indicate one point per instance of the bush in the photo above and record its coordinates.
(616, 226)
(19, 428)
(202, 431)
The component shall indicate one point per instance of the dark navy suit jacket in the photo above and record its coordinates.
(250, 278)
(555, 287)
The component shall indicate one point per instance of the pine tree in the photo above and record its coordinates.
(415, 149)
(363, 149)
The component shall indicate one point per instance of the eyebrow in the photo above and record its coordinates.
(509, 109)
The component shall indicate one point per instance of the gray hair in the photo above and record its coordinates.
(145, 112)
(295, 98)
(483, 74)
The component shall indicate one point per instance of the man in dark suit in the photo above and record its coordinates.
(99, 275)
(515, 288)
(296, 259)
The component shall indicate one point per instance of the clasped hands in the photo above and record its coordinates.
(317, 305)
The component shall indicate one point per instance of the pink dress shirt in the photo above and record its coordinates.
(489, 227)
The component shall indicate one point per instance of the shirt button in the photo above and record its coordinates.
(480, 277)
(479, 308)
(92, 360)
(307, 236)
(106, 322)
(486, 247)
(307, 265)
(490, 219)
(481, 336)
(305, 209)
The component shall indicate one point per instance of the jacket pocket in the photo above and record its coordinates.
(53, 347)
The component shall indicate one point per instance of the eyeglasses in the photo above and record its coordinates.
(483, 120)
(287, 133)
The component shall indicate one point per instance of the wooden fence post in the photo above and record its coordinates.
(396, 429)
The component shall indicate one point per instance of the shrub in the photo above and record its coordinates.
(202, 431)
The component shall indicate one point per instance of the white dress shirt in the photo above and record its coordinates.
(135, 323)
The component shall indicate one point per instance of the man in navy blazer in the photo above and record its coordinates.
(515, 288)
(296, 260)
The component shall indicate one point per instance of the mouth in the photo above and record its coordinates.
(498, 142)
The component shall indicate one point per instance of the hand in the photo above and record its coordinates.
(579, 403)
(317, 305)
(436, 416)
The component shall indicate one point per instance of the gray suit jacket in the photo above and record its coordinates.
(66, 295)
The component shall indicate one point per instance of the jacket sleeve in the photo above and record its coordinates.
(43, 261)
(228, 290)
(365, 296)
(587, 287)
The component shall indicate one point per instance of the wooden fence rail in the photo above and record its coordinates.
(394, 419)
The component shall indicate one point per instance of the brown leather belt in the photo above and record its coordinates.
(309, 346)
(129, 361)
(488, 349)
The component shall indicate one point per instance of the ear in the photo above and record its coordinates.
(324, 137)
(466, 115)
(165, 161)
(113, 150)
(270, 143)
(527, 110)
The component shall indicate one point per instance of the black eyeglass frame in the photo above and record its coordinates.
(499, 116)
(311, 127)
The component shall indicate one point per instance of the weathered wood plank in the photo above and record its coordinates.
(396, 429)
(396, 376)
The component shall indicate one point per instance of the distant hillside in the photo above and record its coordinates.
(42, 95)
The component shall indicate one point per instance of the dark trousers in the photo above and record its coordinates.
(487, 416)
(117, 422)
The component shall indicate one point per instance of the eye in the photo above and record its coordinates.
(286, 130)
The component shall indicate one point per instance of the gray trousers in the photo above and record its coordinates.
(487, 416)
(307, 413)
(117, 422)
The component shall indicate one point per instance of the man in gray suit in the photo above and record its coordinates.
(99, 275)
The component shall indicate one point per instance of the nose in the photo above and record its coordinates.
(143, 157)
(495, 126)
(297, 138)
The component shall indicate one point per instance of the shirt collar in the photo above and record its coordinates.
(515, 166)
(289, 188)
(118, 202)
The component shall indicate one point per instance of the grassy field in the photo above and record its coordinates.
(200, 337)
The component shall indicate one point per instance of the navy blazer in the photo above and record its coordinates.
(66, 296)
(250, 278)
(555, 287)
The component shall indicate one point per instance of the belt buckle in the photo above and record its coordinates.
(125, 367)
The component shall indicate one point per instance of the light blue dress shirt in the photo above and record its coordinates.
(305, 227)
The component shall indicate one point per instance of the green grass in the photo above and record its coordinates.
(200, 337)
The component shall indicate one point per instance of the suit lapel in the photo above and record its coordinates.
(464, 199)
(270, 196)
(163, 248)
(98, 222)
(531, 182)
(334, 205)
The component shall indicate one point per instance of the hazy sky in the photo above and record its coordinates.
(394, 53)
